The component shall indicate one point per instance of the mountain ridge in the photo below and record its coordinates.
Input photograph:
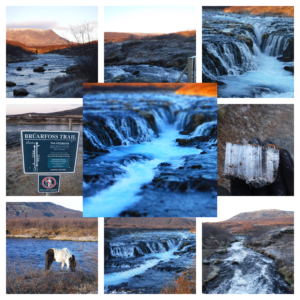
(35, 37)
(260, 215)
(39, 210)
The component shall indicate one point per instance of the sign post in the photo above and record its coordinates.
(48, 152)
(48, 184)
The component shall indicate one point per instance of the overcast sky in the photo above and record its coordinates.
(149, 19)
(75, 203)
(15, 109)
(57, 18)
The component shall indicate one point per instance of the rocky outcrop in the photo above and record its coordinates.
(288, 53)
(167, 53)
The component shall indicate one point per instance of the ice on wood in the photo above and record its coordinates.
(257, 165)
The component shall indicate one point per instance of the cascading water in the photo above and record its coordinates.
(240, 54)
(136, 142)
(251, 273)
(145, 261)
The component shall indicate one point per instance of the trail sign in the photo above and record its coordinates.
(48, 183)
(49, 151)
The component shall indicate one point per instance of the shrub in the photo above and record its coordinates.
(185, 283)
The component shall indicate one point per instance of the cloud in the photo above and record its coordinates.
(37, 25)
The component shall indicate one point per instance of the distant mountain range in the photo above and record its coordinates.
(39, 210)
(35, 37)
(150, 223)
(261, 215)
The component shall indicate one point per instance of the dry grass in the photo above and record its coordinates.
(33, 281)
(53, 224)
(185, 283)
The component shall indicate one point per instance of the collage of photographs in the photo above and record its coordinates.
(149, 161)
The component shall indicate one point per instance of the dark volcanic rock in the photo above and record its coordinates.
(10, 83)
(290, 69)
(39, 69)
(20, 92)
(288, 53)
(19, 69)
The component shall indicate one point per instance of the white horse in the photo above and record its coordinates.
(64, 256)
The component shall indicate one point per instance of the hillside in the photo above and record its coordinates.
(75, 111)
(261, 215)
(34, 37)
(15, 210)
(150, 223)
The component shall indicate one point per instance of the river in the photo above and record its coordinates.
(143, 168)
(22, 253)
(55, 64)
(254, 273)
(246, 73)
(144, 262)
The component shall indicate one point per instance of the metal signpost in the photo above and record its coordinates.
(48, 152)
(48, 183)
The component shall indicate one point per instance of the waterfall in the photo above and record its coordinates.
(141, 248)
(235, 58)
(181, 120)
(205, 129)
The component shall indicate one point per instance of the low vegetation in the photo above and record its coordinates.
(185, 283)
(53, 228)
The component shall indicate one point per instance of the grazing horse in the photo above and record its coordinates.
(64, 256)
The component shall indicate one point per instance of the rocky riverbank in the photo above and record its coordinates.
(167, 53)
(211, 246)
(279, 245)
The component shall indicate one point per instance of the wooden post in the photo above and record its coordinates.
(182, 73)
(70, 124)
(190, 69)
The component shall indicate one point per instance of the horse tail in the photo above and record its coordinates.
(49, 258)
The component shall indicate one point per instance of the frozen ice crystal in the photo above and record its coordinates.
(257, 165)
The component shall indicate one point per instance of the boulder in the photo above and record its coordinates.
(222, 251)
(290, 69)
(19, 69)
(39, 69)
(45, 65)
(218, 261)
(20, 92)
(10, 83)
(206, 262)
(235, 262)
(31, 83)
(135, 72)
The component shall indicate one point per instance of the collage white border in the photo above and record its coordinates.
(225, 203)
